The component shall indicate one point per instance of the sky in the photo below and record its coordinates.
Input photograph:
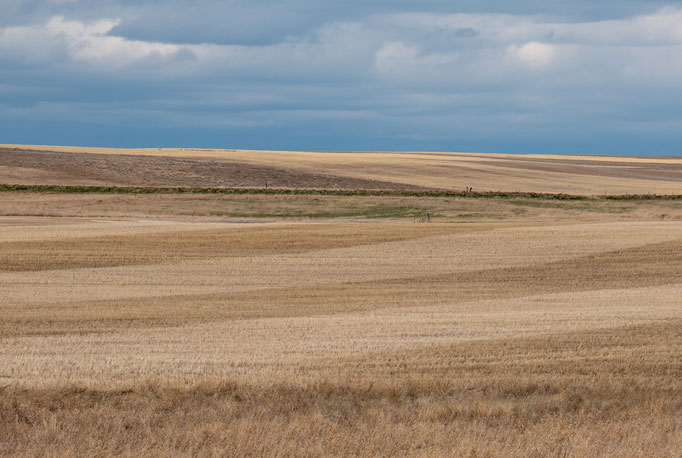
(529, 76)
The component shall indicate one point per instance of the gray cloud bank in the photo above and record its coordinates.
(483, 76)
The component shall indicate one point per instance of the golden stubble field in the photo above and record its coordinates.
(124, 335)
(176, 324)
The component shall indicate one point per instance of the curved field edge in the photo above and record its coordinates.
(573, 175)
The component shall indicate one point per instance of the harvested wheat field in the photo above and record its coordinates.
(190, 324)
(584, 175)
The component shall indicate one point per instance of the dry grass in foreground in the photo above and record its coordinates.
(514, 336)
(613, 392)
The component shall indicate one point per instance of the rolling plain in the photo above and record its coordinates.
(181, 302)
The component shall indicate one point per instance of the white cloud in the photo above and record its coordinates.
(416, 47)
(81, 42)
(394, 55)
(534, 53)
(661, 28)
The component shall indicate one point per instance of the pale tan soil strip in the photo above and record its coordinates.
(54, 230)
(401, 259)
(656, 264)
(301, 347)
(459, 156)
(175, 244)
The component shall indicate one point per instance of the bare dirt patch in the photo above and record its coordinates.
(50, 167)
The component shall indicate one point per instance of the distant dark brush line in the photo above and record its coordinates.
(326, 192)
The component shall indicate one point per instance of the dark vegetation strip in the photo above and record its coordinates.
(325, 192)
